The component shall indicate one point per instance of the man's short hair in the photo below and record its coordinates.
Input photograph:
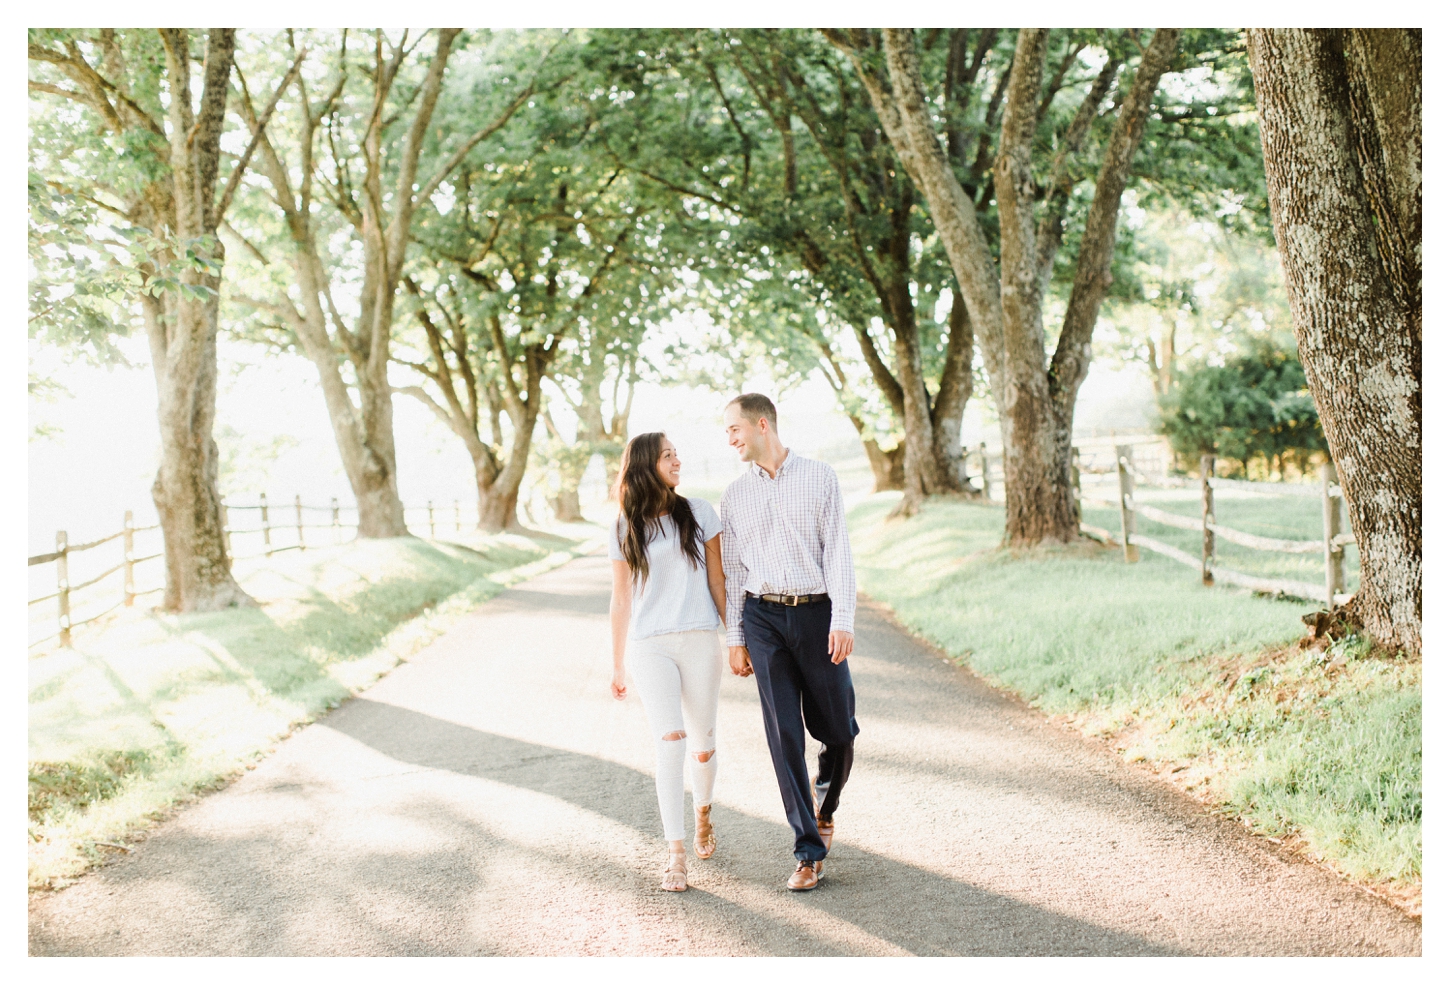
(754, 406)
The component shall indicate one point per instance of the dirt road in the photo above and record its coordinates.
(490, 798)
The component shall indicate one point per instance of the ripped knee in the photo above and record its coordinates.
(673, 736)
(705, 756)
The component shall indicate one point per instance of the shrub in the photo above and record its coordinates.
(1254, 408)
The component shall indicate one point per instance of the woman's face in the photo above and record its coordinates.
(668, 464)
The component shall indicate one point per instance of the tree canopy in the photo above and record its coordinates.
(499, 224)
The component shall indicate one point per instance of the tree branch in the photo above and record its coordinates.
(952, 212)
(745, 145)
(228, 228)
(1013, 183)
(404, 196)
(1074, 350)
(457, 157)
(1055, 85)
(1060, 184)
(234, 180)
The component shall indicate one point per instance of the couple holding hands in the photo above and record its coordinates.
(775, 567)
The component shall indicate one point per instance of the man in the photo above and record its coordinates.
(790, 609)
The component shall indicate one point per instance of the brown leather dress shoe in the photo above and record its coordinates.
(807, 875)
(827, 830)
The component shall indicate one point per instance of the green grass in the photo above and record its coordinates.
(150, 709)
(1323, 747)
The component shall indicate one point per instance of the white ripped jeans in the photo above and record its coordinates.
(678, 678)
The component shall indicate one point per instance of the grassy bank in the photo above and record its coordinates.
(151, 709)
(1318, 748)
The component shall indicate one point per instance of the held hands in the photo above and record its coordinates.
(840, 645)
(740, 662)
(616, 685)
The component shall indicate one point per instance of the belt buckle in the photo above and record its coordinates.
(795, 600)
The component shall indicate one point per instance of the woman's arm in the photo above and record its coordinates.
(715, 574)
(619, 607)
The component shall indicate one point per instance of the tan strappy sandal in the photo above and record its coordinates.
(674, 874)
(704, 832)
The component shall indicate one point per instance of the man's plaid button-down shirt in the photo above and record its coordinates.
(786, 536)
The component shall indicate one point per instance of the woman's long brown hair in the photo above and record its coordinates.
(643, 497)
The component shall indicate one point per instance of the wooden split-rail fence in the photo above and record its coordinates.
(1333, 542)
(275, 524)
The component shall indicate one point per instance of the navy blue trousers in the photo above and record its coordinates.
(802, 691)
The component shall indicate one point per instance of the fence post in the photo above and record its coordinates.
(986, 482)
(1205, 469)
(1333, 552)
(457, 518)
(62, 584)
(1125, 501)
(297, 501)
(266, 526)
(227, 533)
(336, 523)
(127, 543)
(431, 534)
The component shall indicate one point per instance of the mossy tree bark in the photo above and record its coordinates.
(1340, 122)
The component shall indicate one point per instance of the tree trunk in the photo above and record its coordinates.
(1032, 484)
(375, 483)
(611, 474)
(198, 570)
(929, 468)
(382, 219)
(592, 435)
(566, 505)
(498, 503)
(498, 508)
(182, 331)
(364, 434)
(167, 182)
(572, 464)
(923, 476)
(1340, 122)
(498, 499)
(888, 468)
(1035, 404)
(953, 393)
(1073, 354)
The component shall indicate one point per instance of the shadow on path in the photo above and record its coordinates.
(948, 916)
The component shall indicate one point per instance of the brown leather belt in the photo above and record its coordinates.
(788, 599)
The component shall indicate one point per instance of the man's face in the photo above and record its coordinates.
(747, 438)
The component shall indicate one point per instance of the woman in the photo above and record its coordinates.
(669, 595)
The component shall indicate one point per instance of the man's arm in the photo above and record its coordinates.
(734, 592)
(734, 576)
(836, 563)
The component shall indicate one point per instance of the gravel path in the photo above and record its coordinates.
(489, 797)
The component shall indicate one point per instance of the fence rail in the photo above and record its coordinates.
(1332, 543)
(984, 470)
(267, 525)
